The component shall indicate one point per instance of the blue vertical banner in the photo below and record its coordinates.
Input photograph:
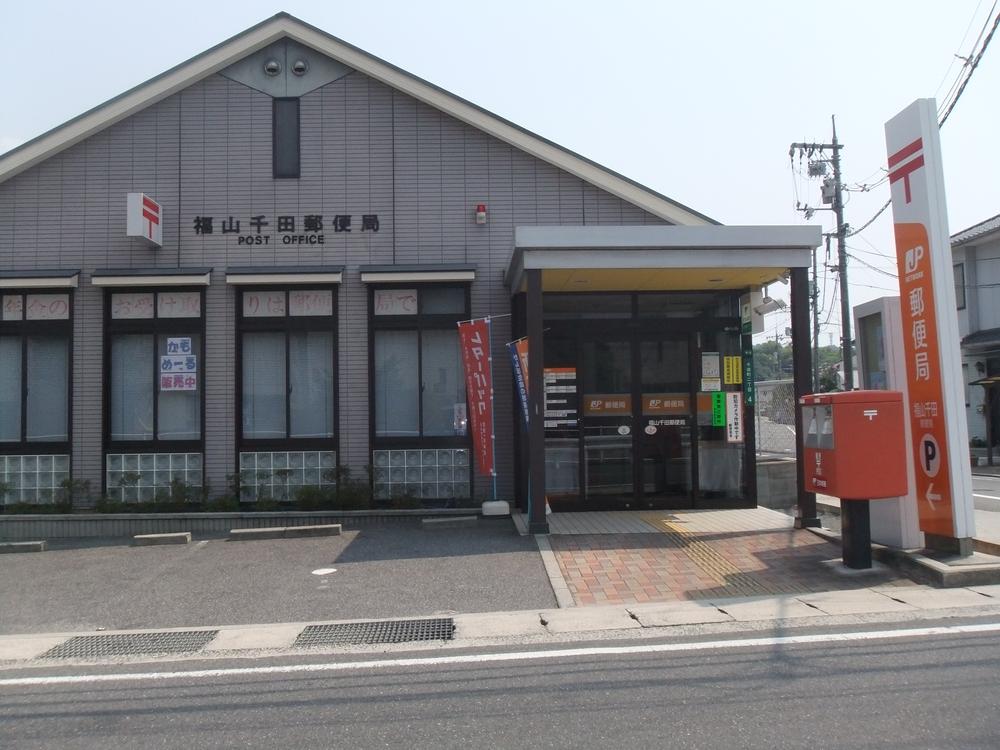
(520, 376)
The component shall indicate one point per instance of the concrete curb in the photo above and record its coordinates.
(564, 597)
(452, 522)
(151, 540)
(249, 535)
(329, 529)
(284, 532)
(14, 547)
(25, 527)
(563, 625)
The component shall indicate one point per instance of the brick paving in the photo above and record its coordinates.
(676, 563)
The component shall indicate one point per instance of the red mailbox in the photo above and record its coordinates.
(855, 445)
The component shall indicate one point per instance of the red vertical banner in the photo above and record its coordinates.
(474, 341)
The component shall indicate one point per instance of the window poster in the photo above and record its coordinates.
(46, 307)
(395, 302)
(308, 302)
(178, 305)
(12, 307)
(710, 365)
(264, 304)
(131, 305)
(734, 417)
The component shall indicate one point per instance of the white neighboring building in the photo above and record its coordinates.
(976, 259)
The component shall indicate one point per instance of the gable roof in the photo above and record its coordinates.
(976, 231)
(284, 25)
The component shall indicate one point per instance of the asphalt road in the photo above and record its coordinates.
(986, 492)
(391, 570)
(932, 690)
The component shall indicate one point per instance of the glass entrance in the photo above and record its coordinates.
(664, 416)
(606, 375)
(637, 421)
(644, 402)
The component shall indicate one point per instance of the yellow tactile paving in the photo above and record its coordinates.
(702, 555)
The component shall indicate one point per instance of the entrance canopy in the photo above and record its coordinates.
(658, 258)
(664, 457)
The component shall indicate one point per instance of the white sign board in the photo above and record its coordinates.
(178, 381)
(734, 417)
(143, 218)
(183, 363)
(179, 346)
(710, 365)
(936, 400)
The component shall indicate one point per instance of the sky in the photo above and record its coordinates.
(699, 101)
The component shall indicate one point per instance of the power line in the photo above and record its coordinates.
(965, 81)
(871, 220)
(972, 67)
(873, 268)
(955, 57)
(876, 251)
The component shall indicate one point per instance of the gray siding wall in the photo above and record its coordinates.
(366, 149)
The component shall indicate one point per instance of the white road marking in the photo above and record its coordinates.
(987, 497)
(429, 661)
(324, 571)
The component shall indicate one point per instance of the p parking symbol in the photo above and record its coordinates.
(930, 455)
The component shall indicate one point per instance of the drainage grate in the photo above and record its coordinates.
(377, 631)
(130, 644)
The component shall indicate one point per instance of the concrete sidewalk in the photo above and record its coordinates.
(614, 575)
(636, 558)
(547, 626)
(987, 535)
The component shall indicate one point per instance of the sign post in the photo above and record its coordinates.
(930, 330)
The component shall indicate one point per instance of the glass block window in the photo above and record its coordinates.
(427, 473)
(138, 477)
(32, 479)
(278, 475)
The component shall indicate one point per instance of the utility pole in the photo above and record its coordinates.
(845, 305)
(834, 189)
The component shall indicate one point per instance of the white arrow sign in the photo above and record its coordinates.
(932, 496)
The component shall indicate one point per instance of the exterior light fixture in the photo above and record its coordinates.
(481, 213)
(300, 67)
(769, 305)
(272, 67)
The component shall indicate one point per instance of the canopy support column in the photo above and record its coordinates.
(537, 523)
(802, 378)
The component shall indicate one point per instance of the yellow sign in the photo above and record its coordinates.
(732, 370)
